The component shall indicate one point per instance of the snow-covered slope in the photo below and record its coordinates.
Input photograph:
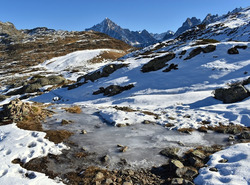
(83, 61)
(176, 93)
(25, 145)
(234, 171)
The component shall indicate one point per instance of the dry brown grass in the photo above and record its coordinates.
(58, 136)
(75, 109)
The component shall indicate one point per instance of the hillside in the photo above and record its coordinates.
(174, 112)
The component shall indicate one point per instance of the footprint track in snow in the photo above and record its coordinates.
(3, 173)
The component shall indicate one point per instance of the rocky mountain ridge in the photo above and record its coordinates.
(134, 38)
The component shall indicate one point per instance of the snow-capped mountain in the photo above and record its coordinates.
(163, 36)
(134, 38)
(189, 23)
(184, 70)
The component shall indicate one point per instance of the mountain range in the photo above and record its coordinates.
(173, 112)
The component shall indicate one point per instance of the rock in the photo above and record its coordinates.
(223, 161)
(99, 176)
(244, 135)
(213, 169)
(171, 67)
(199, 154)
(231, 138)
(233, 51)
(157, 63)
(241, 46)
(109, 181)
(124, 149)
(65, 122)
(2, 97)
(186, 172)
(194, 161)
(177, 181)
(84, 131)
(194, 52)
(15, 110)
(147, 122)
(198, 50)
(105, 158)
(127, 183)
(231, 95)
(106, 71)
(113, 90)
(171, 152)
(175, 164)
(209, 48)
(31, 88)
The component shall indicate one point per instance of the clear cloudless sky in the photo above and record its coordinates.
(153, 15)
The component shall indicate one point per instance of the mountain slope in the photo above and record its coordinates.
(133, 38)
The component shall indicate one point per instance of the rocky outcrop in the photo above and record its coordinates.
(198, 50)
(15, 111)
(105, 72)
(36, 83)
(232, 94)
(113, 90)
(157, 63)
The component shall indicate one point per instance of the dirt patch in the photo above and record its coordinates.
(107, 55)
(75, 109)
(57, 136)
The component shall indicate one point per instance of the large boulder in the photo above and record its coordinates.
(113, 90)
(233, 51)
(157, 63)
(231, 95)
(105, 72)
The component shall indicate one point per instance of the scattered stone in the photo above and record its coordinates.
(177, 181)
(84, 131)
(147, 122)
(186, 172)
(231, 138)
(119, 145)
(213, 169)
(109, 181)
(105, 158)
(223, 161)
(65, 122)
(199, 154)
(2, 97)
(171, 152)
(157, 63)
(196, 162)
(244, 135)
(99, 176)
(127, 183)
(231, 95)
(175, 164)
(232, 51)
(124, 149)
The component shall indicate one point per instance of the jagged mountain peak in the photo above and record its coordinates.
(189, 23)
(134, 38)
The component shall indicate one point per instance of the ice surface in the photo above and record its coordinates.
(144, 141)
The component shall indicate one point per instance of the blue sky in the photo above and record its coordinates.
(153, 15)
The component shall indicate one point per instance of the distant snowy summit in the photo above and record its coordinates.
(134, 38)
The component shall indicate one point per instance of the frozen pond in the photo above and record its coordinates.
(144, 141)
